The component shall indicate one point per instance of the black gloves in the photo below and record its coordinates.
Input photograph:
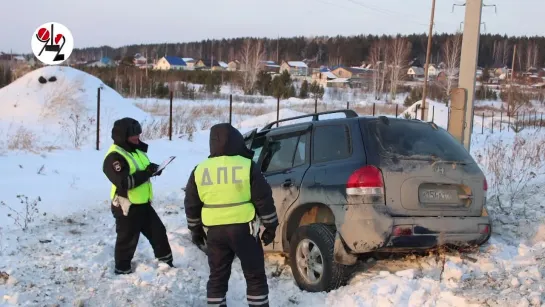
(268, 236)
(198, 236)
(152, 168)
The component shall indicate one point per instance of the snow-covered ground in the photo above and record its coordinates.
(65, 257)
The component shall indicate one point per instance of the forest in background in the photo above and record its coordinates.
(495, 50)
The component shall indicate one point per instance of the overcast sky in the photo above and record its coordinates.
(121, 22)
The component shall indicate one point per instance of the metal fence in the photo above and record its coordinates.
(506, 121)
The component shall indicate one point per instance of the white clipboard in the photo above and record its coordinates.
(164, 164)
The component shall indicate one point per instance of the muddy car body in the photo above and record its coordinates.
(346, 187)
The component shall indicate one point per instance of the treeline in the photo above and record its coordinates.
(495, 50)
(136, 82)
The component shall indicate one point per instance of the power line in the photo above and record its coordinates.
(386, 12)
(484, 5)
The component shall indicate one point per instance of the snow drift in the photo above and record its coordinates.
(61, 112)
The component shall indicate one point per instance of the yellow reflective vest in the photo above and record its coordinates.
(224, 188)
(137, 161)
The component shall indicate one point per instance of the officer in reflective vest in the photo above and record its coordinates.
(129, 170)
(228, 194)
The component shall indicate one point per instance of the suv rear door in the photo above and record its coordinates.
(284, 158)
(426, 171)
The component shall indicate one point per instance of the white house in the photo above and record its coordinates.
(433, 70)
(190, 62)
(170, 62)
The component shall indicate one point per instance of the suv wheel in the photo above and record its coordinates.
(311, 259)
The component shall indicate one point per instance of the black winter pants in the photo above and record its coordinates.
(141, 219)
(223, 243)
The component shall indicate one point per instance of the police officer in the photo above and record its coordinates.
(223, 194)
(129, 170)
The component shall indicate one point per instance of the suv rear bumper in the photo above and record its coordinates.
(360, 233)
(430, 232)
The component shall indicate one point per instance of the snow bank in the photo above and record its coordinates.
(45, 109)
(436, 111)
(260, 121)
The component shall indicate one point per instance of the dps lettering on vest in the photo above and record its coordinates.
(137, 161)
(224, 188)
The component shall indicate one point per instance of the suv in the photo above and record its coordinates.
(346, 187)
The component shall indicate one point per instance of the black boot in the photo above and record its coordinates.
(122, 272)
(170, 264)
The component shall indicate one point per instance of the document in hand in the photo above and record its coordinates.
(164, 164)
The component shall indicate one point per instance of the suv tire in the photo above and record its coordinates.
(311, 249)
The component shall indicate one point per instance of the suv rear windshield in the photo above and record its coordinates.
(412, 140)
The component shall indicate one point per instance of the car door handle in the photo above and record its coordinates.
(288, 183)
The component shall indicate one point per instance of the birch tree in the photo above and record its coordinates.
(258, 55)
(399, 51)
(451, 51)
(378, 57)
(245, 55)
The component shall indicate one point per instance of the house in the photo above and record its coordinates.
(103, 62)
(444, 74)
(204, 64)
(356, 76)
(170, 62)
(295, 68)
(223, 65)
(233, 65)
(433, 70)
(352, 72)
(322, 78)
(190, 62)
(140, 61)
(416, 72)
(269, 66)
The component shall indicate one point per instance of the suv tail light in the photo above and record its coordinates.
(365, 181)
(485, 186)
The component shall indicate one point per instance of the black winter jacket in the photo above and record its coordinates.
(116, 168)
(225, 140)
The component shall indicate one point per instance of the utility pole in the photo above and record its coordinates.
(468, 62)
(426, 67)
(277, 54)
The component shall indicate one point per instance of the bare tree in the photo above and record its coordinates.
(399, 51)
(451, 55)
(520, 56)
(245, 63)
(251, 56)
(378, 58)
(506, 52)
(258, 55)
(532, 54)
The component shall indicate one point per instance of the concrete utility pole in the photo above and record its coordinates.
(427, 66)
(468, 62)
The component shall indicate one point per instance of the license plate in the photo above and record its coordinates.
(438, 196)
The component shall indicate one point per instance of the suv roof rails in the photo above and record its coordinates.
(349, 114)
